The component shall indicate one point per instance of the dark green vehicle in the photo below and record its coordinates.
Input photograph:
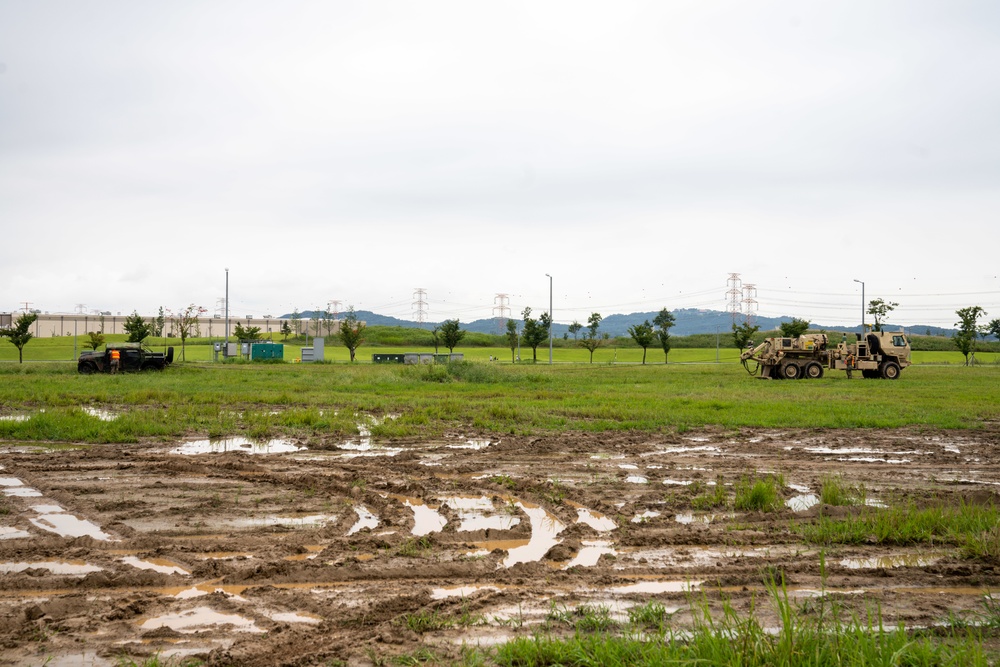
(132, 357)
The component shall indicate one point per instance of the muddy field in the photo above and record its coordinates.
(303, 553)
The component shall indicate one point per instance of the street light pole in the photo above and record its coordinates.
(862, 304)
(550, 319)
(225, 351)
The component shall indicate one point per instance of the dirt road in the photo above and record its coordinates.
(303, 553)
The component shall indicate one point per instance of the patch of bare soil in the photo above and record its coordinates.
(355, 551)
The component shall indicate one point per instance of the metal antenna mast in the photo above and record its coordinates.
(420, 304)
(501, 311)
(750, 303)
(734, 295)
(27, 305)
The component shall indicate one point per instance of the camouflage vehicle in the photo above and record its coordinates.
(132, 357)
(879, 354)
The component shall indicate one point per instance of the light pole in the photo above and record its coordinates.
(862, 304)
(550, 319)
(225, 351)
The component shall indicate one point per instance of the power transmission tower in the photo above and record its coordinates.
(420, 304)
(27, 305)
(334, 307)
(501, 311)
(81, 308)
(734, 295)
(750, 303)
(220, 307)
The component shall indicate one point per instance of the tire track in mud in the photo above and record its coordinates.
(270, 557)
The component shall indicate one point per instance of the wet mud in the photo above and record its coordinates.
(293, 553)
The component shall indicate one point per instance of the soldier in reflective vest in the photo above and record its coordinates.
(116, 359)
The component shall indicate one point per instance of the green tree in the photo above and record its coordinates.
(159, 322)
(575, 329)
(137, 328)
(591, 339)
(246, 333)
(317, 322)
(351, 331)
(535, 332)
(297, 321)
(643, 336)
(994, 328)
(743, 335)
(20, 333)
(793, 329)
(968, 332)
(328, 319)
(512, 338)
(95, 339)
(663, 321)
(436, 337)
(186, 322)
(286, 330)
(880, 309)
(451, 334)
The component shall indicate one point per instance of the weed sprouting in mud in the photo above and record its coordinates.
(713, 498)
(416, 548)
(834, 490)
(650, 615)
(506, 481)
(759, 493)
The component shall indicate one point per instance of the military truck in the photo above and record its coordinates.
(132, 357)
(878, 354)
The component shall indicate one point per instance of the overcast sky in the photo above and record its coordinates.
(637, 152)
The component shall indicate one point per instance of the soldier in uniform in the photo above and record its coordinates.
(116, 360)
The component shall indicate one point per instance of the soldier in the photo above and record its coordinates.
(850, 362)
(116, 359)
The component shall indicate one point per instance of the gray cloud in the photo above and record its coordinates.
(639, 152)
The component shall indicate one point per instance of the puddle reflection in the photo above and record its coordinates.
(802, 503)
(236, 444)
(365, 520)
(200, 618)
(544, 528)
(76, 568)
(156, 565)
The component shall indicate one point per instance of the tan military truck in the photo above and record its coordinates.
(878, 354)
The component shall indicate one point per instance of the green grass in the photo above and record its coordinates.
(324, 400)
(971, 527)
(827, 637)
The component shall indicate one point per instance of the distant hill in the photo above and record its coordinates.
(689, 321)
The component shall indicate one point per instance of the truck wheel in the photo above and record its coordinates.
(87, 369)
(814, 370)
(791, 372)
(889, 370)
